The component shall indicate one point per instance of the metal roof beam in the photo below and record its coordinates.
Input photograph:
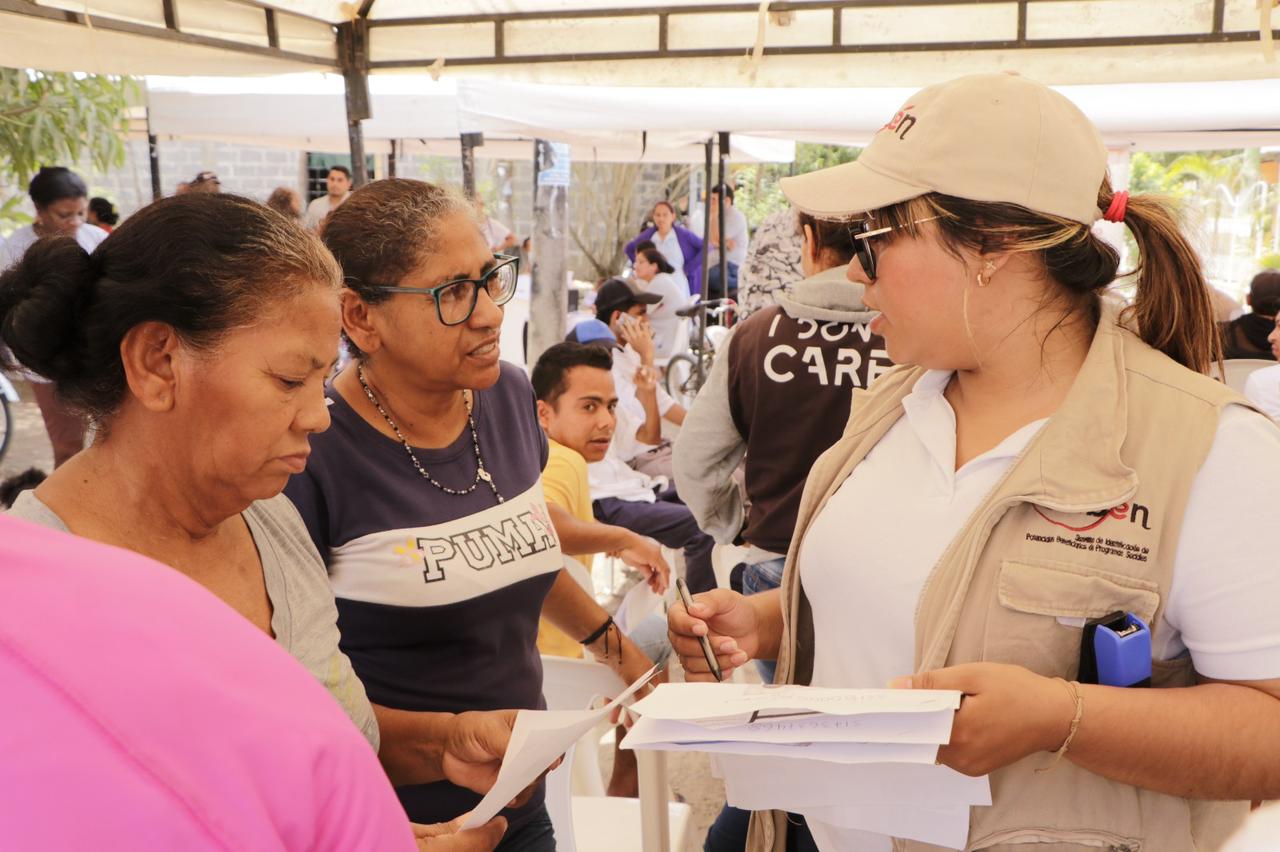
(97, 22)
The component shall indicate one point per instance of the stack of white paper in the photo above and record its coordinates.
(538, 739)
(849, 759)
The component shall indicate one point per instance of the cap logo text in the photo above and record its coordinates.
(902, 122)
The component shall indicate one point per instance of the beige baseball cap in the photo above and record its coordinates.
(985, 137)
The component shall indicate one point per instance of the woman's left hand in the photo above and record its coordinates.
(1006, 714)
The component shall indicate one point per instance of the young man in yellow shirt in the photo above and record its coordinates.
(576, 402)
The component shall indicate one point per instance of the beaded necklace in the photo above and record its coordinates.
(481, 472)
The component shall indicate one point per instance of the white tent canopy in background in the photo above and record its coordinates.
(611, 124)
(307, 111)
(1169, 116)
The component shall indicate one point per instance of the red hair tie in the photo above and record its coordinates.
(1119, 206)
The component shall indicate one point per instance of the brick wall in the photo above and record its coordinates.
(506, 185)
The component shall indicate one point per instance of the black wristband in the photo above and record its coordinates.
(599, 631)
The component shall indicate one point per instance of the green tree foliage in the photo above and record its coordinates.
(54, 118)
(758, 193)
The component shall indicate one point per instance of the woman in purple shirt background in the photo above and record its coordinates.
(681, 247)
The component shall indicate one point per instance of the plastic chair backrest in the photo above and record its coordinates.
(1238, 370)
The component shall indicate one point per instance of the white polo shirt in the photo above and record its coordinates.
(865, 558)
(867, 555)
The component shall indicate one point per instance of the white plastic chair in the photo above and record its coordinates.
(1238, 370)
(584, 818)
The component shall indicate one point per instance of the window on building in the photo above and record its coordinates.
(318, 165)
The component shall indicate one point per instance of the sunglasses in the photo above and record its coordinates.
(862, 231)
(456, 300)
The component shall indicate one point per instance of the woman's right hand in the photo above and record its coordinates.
(727, 619)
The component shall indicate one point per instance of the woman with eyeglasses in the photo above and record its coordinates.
(424, 496)
(1047, 506)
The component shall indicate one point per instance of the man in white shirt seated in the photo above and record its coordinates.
(735, 244)
(338, 187)
(1263, 386)
(646, 505)
(642, 403)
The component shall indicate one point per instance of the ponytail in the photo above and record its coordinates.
(1172, 310)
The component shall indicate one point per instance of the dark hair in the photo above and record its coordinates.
(104, 210)
(723, 189)
(346, 171)
(553, 366)
(285, 201)
(831, 238)
(385, 229)
(656, 257)
(644, 245)
(55, 183)
(203, 264)
(664, 203)
(1264, 293)
(1172, 310)
(19, 482)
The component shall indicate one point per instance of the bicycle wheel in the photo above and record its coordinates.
(681, 379)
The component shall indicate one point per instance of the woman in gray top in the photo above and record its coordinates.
(197, 338)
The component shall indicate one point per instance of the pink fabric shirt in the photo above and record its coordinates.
(140, 712)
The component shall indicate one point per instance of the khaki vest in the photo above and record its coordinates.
(1085, 522)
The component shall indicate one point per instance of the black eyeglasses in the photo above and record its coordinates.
(862, 231)
(456, 300)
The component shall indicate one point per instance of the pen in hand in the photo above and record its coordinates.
(687, 600)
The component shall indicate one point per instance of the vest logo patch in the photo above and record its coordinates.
(1109, 544)
(1135, 513)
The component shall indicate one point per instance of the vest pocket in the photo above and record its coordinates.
(1033, 594)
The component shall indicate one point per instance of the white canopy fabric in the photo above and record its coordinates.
(907, 43)
(652, 124)
(307, 111)
(1169, 116)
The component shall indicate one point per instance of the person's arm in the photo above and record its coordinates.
(1213, 741)
(630, 248)
(706, 453)
(693, 240)
(639, 334)
(740, 629)
(447, 836)
(675, 413)
(641, 553)
(646, 382)
(573, 610)
(464, 748)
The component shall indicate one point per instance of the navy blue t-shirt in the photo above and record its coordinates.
(438, 594)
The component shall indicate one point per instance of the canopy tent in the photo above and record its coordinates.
(629, 42)
(721, 43)
(1151, 116)
(306, 111)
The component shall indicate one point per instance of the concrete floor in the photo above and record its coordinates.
(29, 446)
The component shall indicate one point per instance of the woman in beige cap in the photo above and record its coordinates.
(1045, 456)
